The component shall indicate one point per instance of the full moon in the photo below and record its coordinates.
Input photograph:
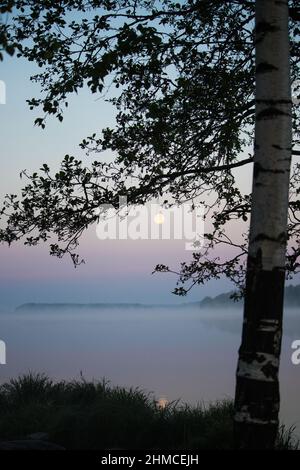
(159, 219)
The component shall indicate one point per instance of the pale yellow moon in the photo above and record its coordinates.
(159, 219)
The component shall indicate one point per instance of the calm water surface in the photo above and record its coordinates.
(174, 353)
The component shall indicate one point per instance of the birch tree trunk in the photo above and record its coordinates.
(257, 396)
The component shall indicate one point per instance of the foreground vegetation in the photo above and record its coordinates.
(94, 415)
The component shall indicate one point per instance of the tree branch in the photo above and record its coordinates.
(208, 170)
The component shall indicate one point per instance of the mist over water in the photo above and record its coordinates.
(176, 353)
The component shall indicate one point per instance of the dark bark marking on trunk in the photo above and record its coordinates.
(278, 147)
(273, 102)
(270, 113)
(262, 236)
(265, 27)
(264, 67)
(258, 168)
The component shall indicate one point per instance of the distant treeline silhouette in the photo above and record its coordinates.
(225, 300)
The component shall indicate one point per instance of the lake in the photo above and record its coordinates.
(181, 353)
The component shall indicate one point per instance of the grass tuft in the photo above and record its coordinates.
(82, 414)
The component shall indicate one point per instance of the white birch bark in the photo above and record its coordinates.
(257, 392)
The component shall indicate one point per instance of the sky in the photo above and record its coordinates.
(115, 271)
